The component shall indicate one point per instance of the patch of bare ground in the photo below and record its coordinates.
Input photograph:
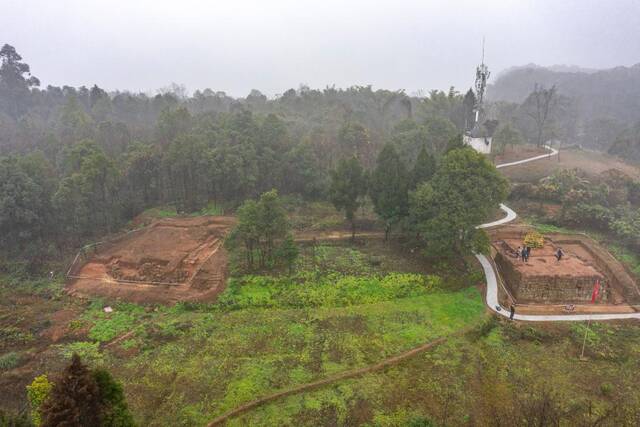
(520, 152)
(583, 256)
(171, 260)
(591, 162)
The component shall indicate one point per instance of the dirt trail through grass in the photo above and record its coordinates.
(329, 380)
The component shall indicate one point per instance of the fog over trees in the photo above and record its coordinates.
(79, 162)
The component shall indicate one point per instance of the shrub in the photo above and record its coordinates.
(87, 350)
(9, 361)
(74, 399)
(534, 240)
(13, 335)
(606, 389)
(37, 392)
(14, 420)
(115, 411)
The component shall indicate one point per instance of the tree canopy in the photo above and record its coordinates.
(389, 186)
(348, 187)
(463, 193)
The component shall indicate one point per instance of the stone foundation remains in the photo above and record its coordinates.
(545, 280)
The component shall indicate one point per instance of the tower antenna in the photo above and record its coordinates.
(482, 75)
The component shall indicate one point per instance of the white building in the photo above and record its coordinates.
(481, 144)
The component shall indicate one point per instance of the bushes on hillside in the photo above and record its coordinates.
(79, 396)
(609, 202)
(330, 291)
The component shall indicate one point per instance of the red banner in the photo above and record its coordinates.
(596, 291)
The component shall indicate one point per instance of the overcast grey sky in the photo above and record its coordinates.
(273, 45)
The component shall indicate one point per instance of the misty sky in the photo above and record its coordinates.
(273, 45)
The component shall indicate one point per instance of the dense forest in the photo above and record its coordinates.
(77, 163)
(599, 109)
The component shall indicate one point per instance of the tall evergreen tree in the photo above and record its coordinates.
(15, 82)
(74, 399)
(272, 221)
(469, 105)
(423, 169)
(388, 188)
(348, 186)
(113, 406)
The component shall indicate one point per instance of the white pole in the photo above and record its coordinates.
(584, 342)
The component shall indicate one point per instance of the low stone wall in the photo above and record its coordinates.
(548, 288)
(614, 270)
(623, 285)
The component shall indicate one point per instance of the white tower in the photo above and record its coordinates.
(479, 143)
(482, 75)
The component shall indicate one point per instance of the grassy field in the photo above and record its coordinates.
(345, 306)
(498, 374)
(186, 365)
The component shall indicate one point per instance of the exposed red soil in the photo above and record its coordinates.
(542, 261)
(584, 257)
(59, 325)
(173, 259)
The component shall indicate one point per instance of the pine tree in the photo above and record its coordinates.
(423, 169)
(114, 409)
(288, 252)
(74, 400)
(348, 184)
(389, 187)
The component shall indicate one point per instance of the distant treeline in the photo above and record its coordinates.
(597, 109)
(76, 163)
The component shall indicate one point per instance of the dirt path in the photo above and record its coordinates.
(329, 380)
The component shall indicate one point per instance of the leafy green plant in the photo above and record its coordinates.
(88, 351)
(14, 335)
(109, 328)
(37, 393)
(606, 389)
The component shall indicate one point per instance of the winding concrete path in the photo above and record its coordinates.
(492, 282)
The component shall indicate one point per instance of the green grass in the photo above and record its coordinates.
(170, 211)
(161, 212)
(210, 209)
(627, 257)
(88, 351)
(9, 361)
(502, 373)
(332, 290)
(269, 333)
(549, 228)
(235, 356)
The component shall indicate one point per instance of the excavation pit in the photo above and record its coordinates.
(171, 260)
(544, 282)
